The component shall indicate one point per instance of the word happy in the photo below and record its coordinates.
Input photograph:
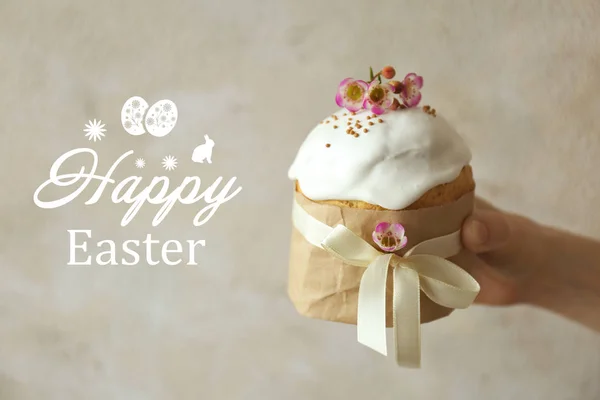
(131, 191)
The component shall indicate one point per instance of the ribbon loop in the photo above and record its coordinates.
(349, 247)
(443, 281)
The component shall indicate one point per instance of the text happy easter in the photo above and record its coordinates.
(132, 191)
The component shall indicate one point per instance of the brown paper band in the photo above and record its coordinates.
(323, 287)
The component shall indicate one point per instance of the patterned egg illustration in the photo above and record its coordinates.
(161, 118)
(132, 115)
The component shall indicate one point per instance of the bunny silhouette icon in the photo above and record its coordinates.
(204, 151)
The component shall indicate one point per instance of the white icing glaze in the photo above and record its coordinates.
(391, 165)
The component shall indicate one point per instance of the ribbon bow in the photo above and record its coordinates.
(423, 267)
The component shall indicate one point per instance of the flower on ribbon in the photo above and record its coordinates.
(379, 97)
(411, 92)
(351, 93)
(389, 237)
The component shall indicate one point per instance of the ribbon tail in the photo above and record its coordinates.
(371, 330)
(407, 317)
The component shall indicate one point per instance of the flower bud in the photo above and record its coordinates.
(388, 72)
(398, 86)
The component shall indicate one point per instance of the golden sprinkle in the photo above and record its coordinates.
(358, 126)
(335, 127)
(374, 115)
(379, 120)
(365, 130)
(349, 123)
(426, 108)
(371, 123)
(335, 117)
(350, 119)
(356, 134)
(327, 121)
(353, 113)
(345, 114)
(327, 145)
(368, 117)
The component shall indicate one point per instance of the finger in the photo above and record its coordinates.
(485, 231)
(496, 288)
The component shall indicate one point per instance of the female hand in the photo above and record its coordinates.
(509, 252)
(520, 261)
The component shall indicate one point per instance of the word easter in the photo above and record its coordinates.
(125, 190)
(109, 255)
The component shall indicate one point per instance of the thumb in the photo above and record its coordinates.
(486, 231)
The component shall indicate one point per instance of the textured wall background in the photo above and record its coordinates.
(519, 79)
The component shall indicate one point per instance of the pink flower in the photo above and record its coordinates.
(350, 94)
(379, 98)
(389, 237)
(411, 93)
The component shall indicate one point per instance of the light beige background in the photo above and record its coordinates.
(519, 79)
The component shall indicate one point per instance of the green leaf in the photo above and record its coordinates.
(371, 76)
(379, 77)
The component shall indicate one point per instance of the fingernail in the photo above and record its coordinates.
(478, 232)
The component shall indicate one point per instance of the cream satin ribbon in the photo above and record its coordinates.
(423, 267)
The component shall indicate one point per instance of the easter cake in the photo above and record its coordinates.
(393, 174)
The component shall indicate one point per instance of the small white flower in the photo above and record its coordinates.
(94, 130)
(140, 163)
(169, 163)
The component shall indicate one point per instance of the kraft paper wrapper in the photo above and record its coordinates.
(323, 287)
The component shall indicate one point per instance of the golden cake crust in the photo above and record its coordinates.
(441, 194)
